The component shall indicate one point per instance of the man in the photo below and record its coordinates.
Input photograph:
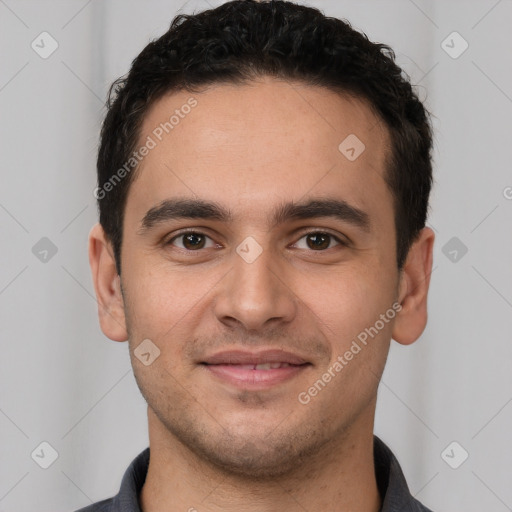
(263, 183)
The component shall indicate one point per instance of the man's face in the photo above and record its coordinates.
(215, 306)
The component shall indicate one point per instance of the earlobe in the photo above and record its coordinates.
(413, 289)
(107, 285)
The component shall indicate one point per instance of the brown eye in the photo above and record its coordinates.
(193, 241)
(190, 241)
(319, 241)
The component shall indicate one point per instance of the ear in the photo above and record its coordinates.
(413, 289)
(107, 285)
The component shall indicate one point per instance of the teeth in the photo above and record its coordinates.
(270, 366)
(263, 366)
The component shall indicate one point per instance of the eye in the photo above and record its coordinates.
(319, 240)
(314, 240)
(191, 240)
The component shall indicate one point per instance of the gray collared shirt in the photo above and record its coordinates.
(390, 480)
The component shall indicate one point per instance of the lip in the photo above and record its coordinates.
(234, 357)
(236, 367)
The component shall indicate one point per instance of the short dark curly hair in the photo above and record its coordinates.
(243, 40)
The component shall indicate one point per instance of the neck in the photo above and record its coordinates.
(340, 477)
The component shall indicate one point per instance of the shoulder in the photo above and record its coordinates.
(127, 498)
(416, 506)
(100, 506)
(419, 507)
(392, 483)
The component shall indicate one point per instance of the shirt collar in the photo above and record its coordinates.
(390, 481)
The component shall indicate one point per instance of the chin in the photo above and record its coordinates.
(251, 452)
(252, 460)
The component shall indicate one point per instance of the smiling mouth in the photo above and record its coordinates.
(259, 366)
(255, 370)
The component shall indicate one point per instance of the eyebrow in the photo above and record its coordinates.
(175, 209)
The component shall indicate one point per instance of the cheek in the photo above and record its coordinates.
(347, 301)
(166, 305)
(348, 308)
(156, 300)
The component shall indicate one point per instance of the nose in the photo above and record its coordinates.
(255, 294)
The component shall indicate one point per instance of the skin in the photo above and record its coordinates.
(216, 446)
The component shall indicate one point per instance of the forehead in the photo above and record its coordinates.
(249, 146)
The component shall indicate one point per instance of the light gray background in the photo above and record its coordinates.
(64, 383)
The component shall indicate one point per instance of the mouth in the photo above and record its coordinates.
(255, 370)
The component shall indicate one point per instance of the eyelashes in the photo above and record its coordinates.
(195, 241)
